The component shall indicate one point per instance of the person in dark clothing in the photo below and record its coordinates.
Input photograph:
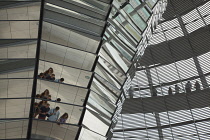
(170, 92)
(45, 94)
(197, 86)
(41, 76)
(48, 72)
(154, 91)
(58, 100)
(177, 89)
(36, 109)
(51, 78)
(38, 96)
(43, 111)
(188, 87)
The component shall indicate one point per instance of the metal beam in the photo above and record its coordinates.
(33, 94)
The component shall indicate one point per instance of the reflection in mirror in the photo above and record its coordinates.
(18, 48)
(70, 75)
(67, 93)
(46, 130)
(14, 108)
(18, 29)
(14, 88)
(13, 129)
(24, 11)
(66, 37)
(20, 68)
(66, 56)
(56, 111)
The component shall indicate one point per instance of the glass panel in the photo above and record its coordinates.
(46, 130)
(100, 105)
(85, 133)
(22, 68)
(144, 13)
(19, 49)
(66, 37)
(67, 93)
(135, 17)
(123, 62)
(72, 20)
(18, 29)
(13, 129)
(112, 70)
(71, 75)
(104, 82)
(13, 88)
(66, 56)
(135, 3)
(103, 91)
(128, 27)
(15, 108)
(73, 112)
(100, 71)
(96, 123)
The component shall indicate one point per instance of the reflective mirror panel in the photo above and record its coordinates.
(71, 75)
(54, 114)
(67, 93)
(13, 129)
(24, 11)
(15, 88)
(46, 130)
(14, 108)
(67, 37)
(66, 56)
(18, 48)
(18, 29)
(20, 68)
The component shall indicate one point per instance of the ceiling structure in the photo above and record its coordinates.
(111, 53)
